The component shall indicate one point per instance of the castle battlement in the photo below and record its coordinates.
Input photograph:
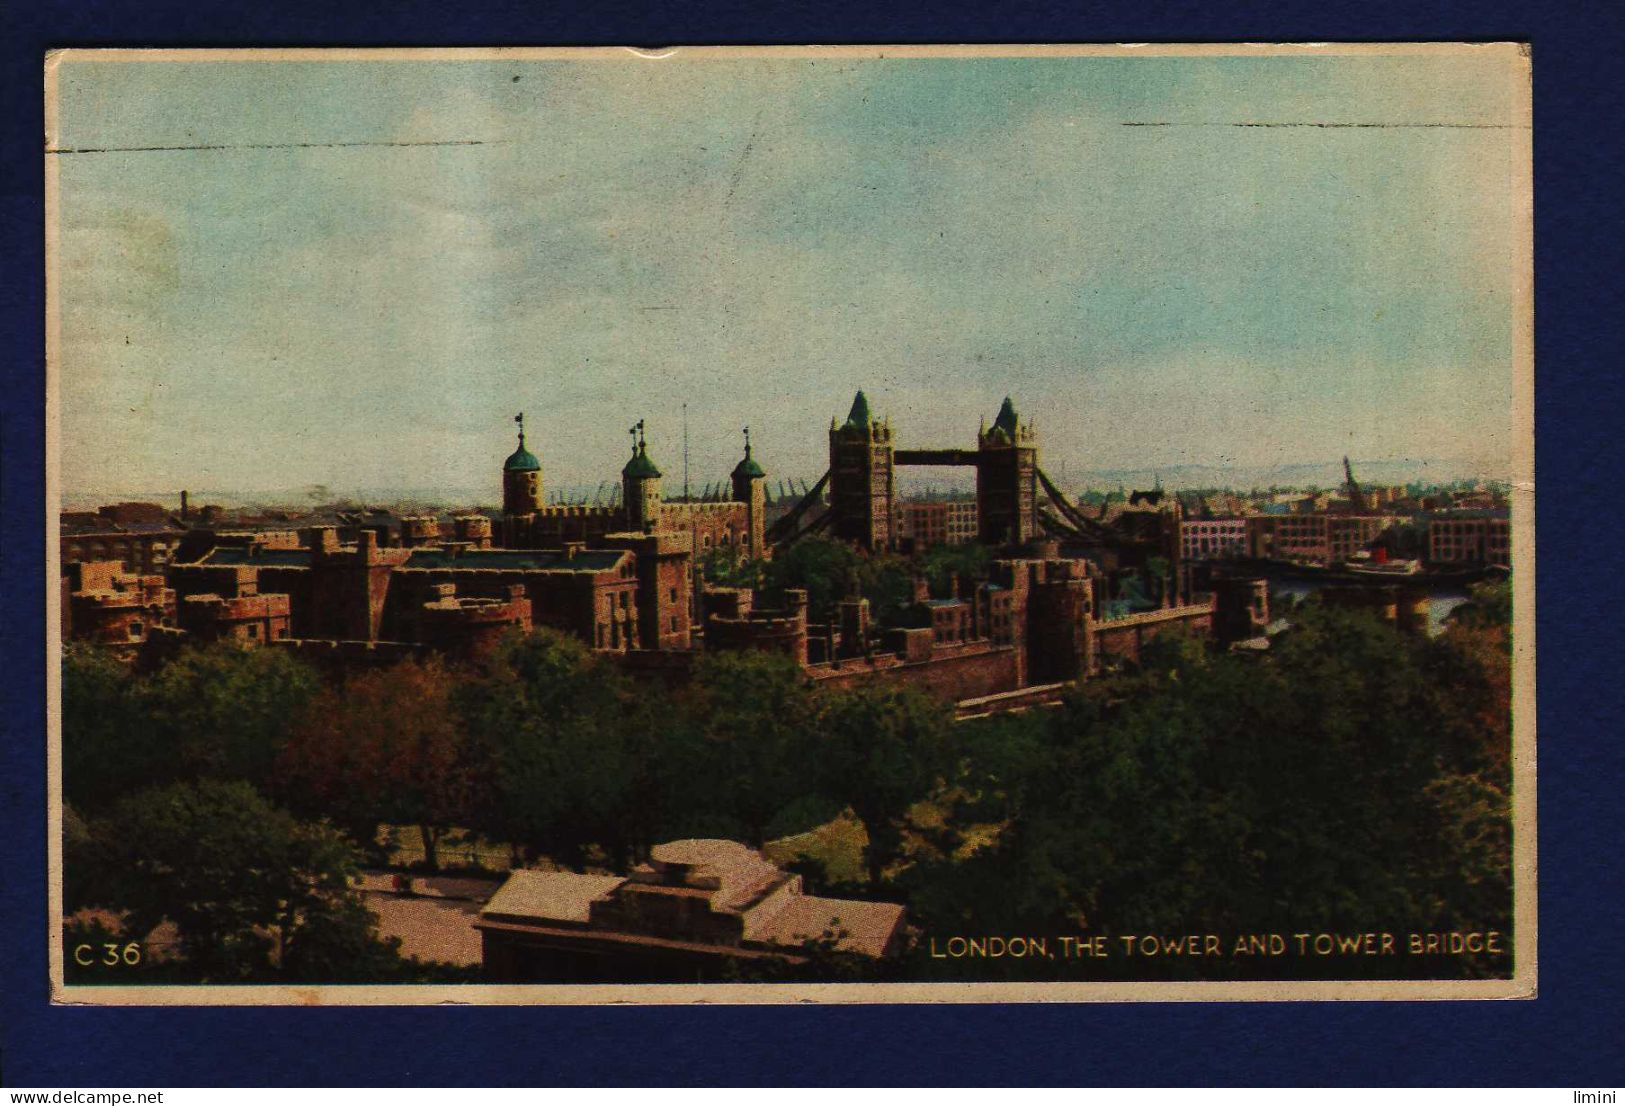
(712, 507)
(576, 510)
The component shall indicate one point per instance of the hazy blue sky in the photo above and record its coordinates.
(760, 238)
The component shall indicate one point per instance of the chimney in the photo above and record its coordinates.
(186, 506)
(321, 538)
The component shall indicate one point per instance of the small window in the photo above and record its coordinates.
(253, 631)
(674, 595)
(282, 631)
(674, 624)
(136, 630)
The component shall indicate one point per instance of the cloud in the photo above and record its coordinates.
(759, 240)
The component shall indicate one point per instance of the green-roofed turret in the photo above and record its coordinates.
(1007, 420)
(747, 468)
(521, 460)
(640, 467)
(640, 486)
(521, 478)
(858, 417)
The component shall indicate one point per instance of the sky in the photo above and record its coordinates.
(354, 274)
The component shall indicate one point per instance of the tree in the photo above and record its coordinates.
(109, 745)
(387, 746)
(830, 571)
(968, 561)
(253, 892)
(557, 745)
(752, 713)
(1352, 779)
(222, 711)
(226, 710)
(883, 749)
(729, 566)
(823, 568)
(1489, 604)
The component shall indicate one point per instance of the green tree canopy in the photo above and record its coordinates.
(110, 746)
(222, 711)
(830, 571)
(968, 561)
(386, 746)
(253, 892)
(558, 739)
(883, 748)
(1347, 781)
(227, 710)
(752, 715)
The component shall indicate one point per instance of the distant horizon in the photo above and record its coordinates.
(279, 274)
(1173, 478)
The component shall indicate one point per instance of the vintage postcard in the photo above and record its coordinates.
(859, 524)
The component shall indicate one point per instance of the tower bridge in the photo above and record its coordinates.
(863, 459)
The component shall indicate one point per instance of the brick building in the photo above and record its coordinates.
(367, 593)
(469, 627)
(104, 604)
(926, 523)
(738, 523)
(1212, 539)
(1478, 537)
(1324, 539)
(1033, 622)
(734, 622)
(141, 546)
(235, 610)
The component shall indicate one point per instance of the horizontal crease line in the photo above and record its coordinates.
(1355, 126)
(257, 146)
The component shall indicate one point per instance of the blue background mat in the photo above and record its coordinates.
(1566, 1037)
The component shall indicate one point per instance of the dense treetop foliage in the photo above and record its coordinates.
(1351, 778)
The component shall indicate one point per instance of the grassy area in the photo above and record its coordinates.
(933, 815)
(458, 849)
(837, 845)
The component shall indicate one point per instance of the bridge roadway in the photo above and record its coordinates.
(934, 457)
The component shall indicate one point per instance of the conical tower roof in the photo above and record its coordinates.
(859, 415)
(1007, 420)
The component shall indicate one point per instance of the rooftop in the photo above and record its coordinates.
(733, 878)
(522, 459)
(640, 467)
(554, 560)
(1006, 420)
(855, 925)
(748, 467)
(738, 873)
(256, 555)
(551, 896)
